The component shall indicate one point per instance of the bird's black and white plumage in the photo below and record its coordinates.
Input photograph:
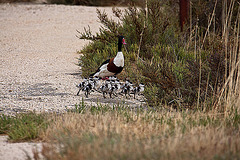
(138, 90)
(127, 88)
(82, 85)
(105, 88)
(111, 86)
(88, 85)
(112, 66)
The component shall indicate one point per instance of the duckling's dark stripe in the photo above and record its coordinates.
(111, 67)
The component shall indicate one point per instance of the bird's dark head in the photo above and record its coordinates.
(121, 40)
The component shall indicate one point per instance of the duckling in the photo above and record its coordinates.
(138, 90)
(82, 85)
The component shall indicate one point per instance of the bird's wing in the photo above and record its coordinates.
(101, 66)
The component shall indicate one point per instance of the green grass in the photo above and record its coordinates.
(23, 127)
(5, 122)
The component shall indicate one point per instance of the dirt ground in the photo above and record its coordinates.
(38, 57)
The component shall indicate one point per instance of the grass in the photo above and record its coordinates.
(23, 127)
(124, 133)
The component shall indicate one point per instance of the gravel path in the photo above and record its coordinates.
(38, 47)
(38, 55)
(38, 59)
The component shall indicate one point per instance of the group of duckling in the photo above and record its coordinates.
(111, 86)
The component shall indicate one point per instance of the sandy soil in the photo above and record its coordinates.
(38, 56)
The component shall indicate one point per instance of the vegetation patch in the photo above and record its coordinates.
(189, 69)
(124, 133)
(24, 126)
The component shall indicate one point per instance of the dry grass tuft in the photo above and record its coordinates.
(129, 134)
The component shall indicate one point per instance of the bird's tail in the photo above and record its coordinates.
(91, 75)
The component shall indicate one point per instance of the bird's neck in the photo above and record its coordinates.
(119, 46)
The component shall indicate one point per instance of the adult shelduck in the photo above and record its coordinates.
(112, 66)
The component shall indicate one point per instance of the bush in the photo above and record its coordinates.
(177, 71)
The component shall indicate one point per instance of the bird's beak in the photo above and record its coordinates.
(123, 41)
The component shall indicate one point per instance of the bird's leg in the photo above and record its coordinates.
(86, 93)
(115, 94)
(129, 94)
(78, 91)
(120, 94)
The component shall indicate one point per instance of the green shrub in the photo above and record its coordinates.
(176, 70)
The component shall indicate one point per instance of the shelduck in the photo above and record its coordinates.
(114, 65)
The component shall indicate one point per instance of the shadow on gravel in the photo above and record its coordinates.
(39, 89)
(74, 74)
(116, 100)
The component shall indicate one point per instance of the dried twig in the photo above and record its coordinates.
(144, 27)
